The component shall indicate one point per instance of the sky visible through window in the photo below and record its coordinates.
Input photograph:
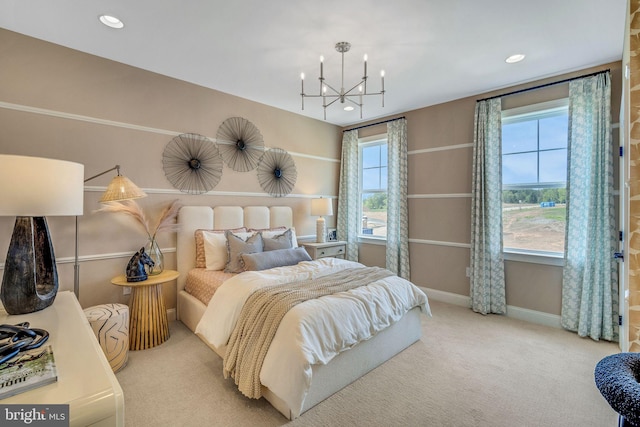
(520, 150)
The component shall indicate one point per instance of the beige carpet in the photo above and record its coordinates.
(467, 370)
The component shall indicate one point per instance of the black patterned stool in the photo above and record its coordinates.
(110, 323)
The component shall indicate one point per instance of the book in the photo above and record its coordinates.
(28, 370)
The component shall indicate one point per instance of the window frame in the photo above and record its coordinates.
(526, 113)
(379, 139)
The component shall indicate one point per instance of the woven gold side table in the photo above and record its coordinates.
(149, 325)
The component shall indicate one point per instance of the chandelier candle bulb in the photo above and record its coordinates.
(302, 88)
(365, 67)
(321, 71)
(382, 91)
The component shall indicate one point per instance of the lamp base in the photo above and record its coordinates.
(30, 281)
(321, 231)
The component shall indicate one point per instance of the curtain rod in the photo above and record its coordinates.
(374, 124)
(544, 85)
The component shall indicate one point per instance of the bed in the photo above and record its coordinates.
(321, 379)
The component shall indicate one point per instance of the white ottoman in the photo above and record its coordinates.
(110, 323)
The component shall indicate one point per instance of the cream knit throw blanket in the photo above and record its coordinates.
(263, 311)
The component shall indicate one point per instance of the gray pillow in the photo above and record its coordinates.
(236, 246)
(275, 258)
(281, 241)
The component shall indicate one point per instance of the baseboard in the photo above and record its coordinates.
(533, 316)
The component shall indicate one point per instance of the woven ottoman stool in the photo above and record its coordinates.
(110, 323)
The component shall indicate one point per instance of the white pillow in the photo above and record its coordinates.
(215, 248)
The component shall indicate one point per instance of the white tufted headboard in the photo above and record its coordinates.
(192, 218)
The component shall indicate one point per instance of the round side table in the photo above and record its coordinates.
(149, 325)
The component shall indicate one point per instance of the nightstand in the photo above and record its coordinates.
(336, 249)
(148, 326)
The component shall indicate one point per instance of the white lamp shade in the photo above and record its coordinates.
(321, 207)
(35, 186)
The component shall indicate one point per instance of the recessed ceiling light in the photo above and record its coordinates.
(348, 108)
(111, 21)
(514, 58)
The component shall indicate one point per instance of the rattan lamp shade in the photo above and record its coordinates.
(121, 188)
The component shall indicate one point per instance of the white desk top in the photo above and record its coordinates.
(85, 379)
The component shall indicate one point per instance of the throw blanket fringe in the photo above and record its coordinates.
(263, 311)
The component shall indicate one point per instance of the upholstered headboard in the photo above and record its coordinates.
(192, 218)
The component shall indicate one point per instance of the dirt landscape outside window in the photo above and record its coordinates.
(532, 227)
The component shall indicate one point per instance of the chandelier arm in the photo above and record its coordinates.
(348, 93)
(326, 105)
(332, 88)
(331, 95)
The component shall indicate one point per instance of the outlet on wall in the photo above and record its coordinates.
(468, 271)
(126, 290)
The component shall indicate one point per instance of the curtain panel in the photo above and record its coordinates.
(348, 220)
(590, 277)
(397, 253)
(487, 289)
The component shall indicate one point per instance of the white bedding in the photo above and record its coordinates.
(312, 332)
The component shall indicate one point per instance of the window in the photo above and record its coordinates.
(534, 176)
(372, 161)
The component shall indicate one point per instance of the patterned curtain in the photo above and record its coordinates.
(348, 219)
(487, 264)
(590, 281)
(397, 255)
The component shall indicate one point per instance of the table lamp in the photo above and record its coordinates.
(32, 188)
(321, 207)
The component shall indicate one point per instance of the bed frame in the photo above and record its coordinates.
(327, 379)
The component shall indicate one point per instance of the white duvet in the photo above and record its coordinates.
(312, 332)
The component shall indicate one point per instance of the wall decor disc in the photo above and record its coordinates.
(192, 163)
(240, 143)
(277, 172)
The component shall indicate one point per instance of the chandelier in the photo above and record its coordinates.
(352, 96)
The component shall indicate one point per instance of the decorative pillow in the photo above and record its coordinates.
(200, 255)
(279, 241)
(274, 258)
(215, 250)
(270, 233)
(236, 246)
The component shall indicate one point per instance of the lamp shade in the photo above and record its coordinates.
(35, 187)
(121, 188)
(321, 207)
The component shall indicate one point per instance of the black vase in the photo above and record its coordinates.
(30, 281)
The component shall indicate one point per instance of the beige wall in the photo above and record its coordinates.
(60, 103)
(440, 155)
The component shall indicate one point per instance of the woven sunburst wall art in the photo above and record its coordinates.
(192, 163)
(277, 172)
(241, 144)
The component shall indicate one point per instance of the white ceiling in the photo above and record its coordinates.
(431, 50)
